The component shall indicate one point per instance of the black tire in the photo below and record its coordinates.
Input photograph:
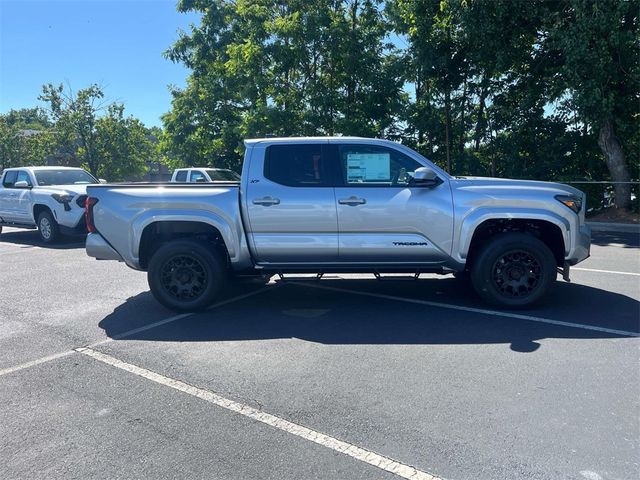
(48, 228)
(513, 270)
(186, 275)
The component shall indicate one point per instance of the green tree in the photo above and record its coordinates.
(97, 135)
(599, 77)
(281, 67)
(24, 141)
(122, 144)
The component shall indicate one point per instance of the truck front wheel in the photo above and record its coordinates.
(186, 275)
(48, 227)
(514, 270)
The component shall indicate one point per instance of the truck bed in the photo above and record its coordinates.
(123, 212)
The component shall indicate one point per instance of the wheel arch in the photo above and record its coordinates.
(552, 233)
(38, 208)
(157, 233)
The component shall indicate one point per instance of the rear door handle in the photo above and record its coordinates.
(352, 201)
(266, 201)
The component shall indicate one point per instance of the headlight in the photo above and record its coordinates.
(62, 197)
(572, 201)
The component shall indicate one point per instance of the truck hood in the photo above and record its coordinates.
(74, 189)
(496, 185)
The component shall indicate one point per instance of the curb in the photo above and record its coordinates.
(614, 227)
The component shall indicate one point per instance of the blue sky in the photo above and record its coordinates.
(115, 43)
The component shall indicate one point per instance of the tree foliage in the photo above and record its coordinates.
(98, 136)
(25, 137)
(501, 87)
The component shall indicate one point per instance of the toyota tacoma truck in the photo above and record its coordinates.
(340, 204)
(50, 199)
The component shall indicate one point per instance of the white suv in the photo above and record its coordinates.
(50, 199)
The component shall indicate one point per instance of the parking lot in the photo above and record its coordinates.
(343, 378)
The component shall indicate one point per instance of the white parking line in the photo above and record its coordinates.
(35, 362)
(475, 310)
(604, 271)
(367, 456)
(128, 333)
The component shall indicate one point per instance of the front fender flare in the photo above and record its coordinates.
(470, 223)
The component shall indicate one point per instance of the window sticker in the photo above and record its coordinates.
(368, 167)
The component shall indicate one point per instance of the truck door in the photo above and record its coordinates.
(22, 199)
(382, 218)
(7, 194)
(291, 204)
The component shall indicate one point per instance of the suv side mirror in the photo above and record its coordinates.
(21, 184)
(425, 177)
(102, 180)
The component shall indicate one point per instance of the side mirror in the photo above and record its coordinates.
(102, 180)
(425, 177)
(201, 180)
(22, 184)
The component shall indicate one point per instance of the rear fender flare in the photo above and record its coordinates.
(229, 236)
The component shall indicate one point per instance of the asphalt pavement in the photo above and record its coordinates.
(343, 378)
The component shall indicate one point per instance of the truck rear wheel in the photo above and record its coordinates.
(186, 275)
(514, 270)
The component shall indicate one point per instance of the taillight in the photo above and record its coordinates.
(88, 213)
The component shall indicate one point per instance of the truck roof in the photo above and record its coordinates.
(42, 168)
(252, 141)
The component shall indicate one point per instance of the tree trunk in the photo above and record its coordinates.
(614, 157)
(447, 127)
(481, 123)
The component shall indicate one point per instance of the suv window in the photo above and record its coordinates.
(181, 176)
(370, 165)
(297, 165)
(197, 176)
(10, 179)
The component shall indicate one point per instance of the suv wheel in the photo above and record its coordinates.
(514, 270)
(186, 275)
(48, 227)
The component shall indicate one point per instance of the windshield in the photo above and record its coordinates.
(63, 177)
(223, 175)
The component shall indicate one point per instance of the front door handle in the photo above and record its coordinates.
(266, 201)
(352, 201)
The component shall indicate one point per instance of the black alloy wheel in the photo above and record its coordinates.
(184, 277)
(513, 270)
(517, 274)
(187, 275)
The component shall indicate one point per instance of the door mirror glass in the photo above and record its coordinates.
(21, 184)
(426, 177)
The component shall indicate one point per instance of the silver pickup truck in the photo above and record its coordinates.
(340, 204)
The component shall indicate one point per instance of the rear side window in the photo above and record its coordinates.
(181, 176)
(10, 179)
(297, 165)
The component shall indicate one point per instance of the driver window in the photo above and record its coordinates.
(23, 177)
(198, 177)
(367, 165)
